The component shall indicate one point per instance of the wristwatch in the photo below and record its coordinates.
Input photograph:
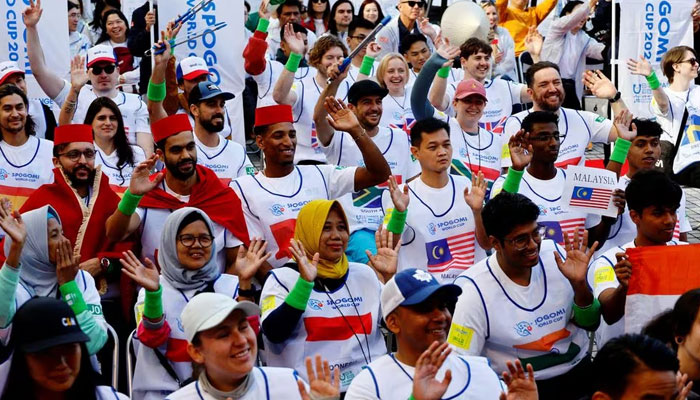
(616, 97)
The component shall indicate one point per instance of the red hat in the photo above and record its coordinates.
(72, 133)
(169, 126)
(470, 87)
(273, 115)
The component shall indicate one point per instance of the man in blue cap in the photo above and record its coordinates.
(416, 309)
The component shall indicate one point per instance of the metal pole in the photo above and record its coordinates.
(154, 29)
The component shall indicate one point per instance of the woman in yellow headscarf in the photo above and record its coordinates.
(323, 305)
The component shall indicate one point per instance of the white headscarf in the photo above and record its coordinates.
(37, 273)
(171, 269)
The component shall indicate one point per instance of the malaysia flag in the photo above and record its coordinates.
(591, 197)
(454, 252)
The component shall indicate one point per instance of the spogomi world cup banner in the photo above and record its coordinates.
(649, 28)
(221, 50)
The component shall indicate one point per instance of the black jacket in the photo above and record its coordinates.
(139, 41)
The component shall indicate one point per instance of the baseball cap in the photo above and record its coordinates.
(469, 87)
(7, 69)
(190, 68)
(101, 52)
(207, 310)
(412, 286)
(365, 88)
(45, 322)
(207, 90)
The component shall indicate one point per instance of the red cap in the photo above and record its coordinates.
(273, 115)
(469, 87)
(72, 133)
(169, 126)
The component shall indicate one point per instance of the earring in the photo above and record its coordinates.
(679, 339)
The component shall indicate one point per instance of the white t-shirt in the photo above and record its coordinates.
(267, 79)
(118, 178)
(23, 169)
(501, 95)
(364, 208)
(440, 232)
(342, 325)
(397, 112)
(389, 378)
(624, 230)
(228, 159)
(580, 128)
(271, 205)
(504, 321)
(307, 92)
(36, 111)
(677, 103)
(546, 194)
(353, 71)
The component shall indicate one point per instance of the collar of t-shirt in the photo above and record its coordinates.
(182, 198)
(208, 149)
(29, 143)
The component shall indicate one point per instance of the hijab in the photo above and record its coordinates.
(309, 227)
(37, 273)
(170, 267)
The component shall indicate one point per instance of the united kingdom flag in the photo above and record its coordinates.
(495, 126)
(406, 126)
(314, 139)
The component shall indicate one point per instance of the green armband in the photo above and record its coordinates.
(156, 91)
(153, 304)
(512, 182)
(72, 296)
(411, 397)
(443, 72)
(293, 62)
(397, 221)
(587, 316)
(653, 81)
(619, 153)
(172, 46)
(366, 67)
(262, 25)
(300, 294)
(128, 203)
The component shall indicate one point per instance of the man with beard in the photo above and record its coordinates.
(42, 116)
(225, 157)
(25, 160)
(578, 128)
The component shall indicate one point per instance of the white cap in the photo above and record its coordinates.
(191, 67)
(207, 310)
(101, 52)
(7, 69)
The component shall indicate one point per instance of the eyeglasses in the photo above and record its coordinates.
(188, 240)
(413, 4)
(319, 1)
(74, 155)
(547, 137)
(522, 241)
(358, 37)
(108, 69)
(692, 61)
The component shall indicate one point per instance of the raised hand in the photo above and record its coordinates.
(171, 29)
(32, 14)
(641, 67)
(294, 40)
(398, 197)
(323, 383)
(578, 257)
(264, 10)
(386, 260)
(161, 60)
(599, 84)
(67, 263)
(145, 275)
(533, 42)
(683, 385)
(623, 123)
(373, 49)
(425, 386)
(307, 269)
(520, 386)
(447, 51)
(520, 150)
(140, 178)
(623, 269)
(248, 260)
(427, 28)
(78, 73)
(340, 117)
(475, 197)
(11, 222)
(333, 72)
(150, 20)
(618, 199)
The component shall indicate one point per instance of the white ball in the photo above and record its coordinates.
(463, 20)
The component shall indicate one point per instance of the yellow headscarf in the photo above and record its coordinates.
(309, 227)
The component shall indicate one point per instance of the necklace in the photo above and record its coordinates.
(478, 149)
(402, 104)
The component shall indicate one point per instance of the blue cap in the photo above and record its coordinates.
(413, 286)
(207, 90)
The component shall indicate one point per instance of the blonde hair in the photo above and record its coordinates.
(384, 66)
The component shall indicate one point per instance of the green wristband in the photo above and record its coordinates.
(653, 81)
(72, 296)
(619, 153)
(367, 64)
(128, 203)
(293, 62)
(153, 304)
(262, 25)
(397, 221)
(443, 72)
(172, 46)
(411, 397)
(156, 91)
(512, 183)
(300, 294)
(587, 316)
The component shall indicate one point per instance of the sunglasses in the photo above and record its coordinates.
(319, 1)
(413, 4)
(692, 61)
(107, 69)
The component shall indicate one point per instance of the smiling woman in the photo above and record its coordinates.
(115, 31)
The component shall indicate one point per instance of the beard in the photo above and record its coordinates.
(80, 182)
(10, 129)
(174, 169)
(212, 127)
(546, 106)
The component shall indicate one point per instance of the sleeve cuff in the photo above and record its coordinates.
(73, 297)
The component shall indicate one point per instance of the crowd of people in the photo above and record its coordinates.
(403, 235)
